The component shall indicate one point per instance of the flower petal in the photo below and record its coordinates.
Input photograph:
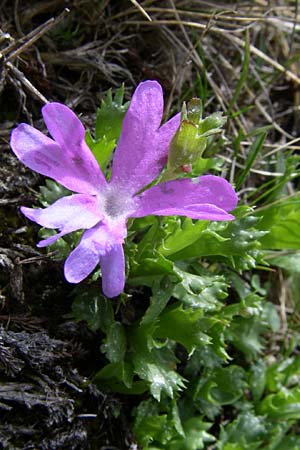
(203, 211)
(113, 271)
(206, 197)
(101, 244)
(50, 240)
(68, 214)
(142, 149)
(71, 164)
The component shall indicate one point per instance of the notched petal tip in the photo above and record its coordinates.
(208, 197)
(219, 190)
(143, 145)
(62, 123)
(21, 139)
(16, 131)
(54, 109)
(149, 84)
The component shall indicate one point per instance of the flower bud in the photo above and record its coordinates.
(190, 140)
(186, 146)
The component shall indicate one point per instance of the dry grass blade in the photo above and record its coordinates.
(290, 75)
(26, 83)
(16, 47)
(140, 8)
(26, 41)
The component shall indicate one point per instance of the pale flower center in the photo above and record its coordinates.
(116, 203)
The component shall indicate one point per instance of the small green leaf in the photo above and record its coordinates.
(151, 426)
(101, 148)
(161, 294)
(284, 405)
(246, 333)
(119, 378)
(283, 374)
(115, 344)
(281, 220)
(91, 306)
(51, 192)
(203, 290)
(247, 432)
(253, 152)
(257, 379)
(290, 262)
(244, 73)
(212, 124)
(109, 120)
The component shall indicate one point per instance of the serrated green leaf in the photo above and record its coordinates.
(247, 330)
(182, 325)
(271, 317)
(203, 357)
(154, 365)
(238, 241)
(196, 435)
(230, 384)
(110, 116)
(246, 432)
(147, 270)
(157, 368)
(119, 377)
(245, 333)
(109, 120)
(283, 374)
(200, 291)
(182, 236)
(159, 426)
(223, 386)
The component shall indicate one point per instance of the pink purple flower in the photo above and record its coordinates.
(102, 208)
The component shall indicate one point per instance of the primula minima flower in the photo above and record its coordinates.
(102, 208)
